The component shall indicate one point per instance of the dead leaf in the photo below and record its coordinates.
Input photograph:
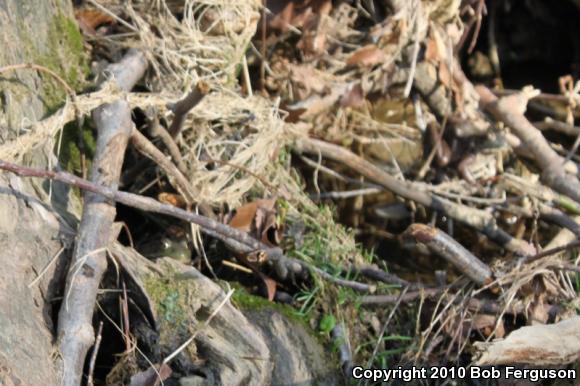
(244, 217)
(295, 13)
(259, 219)
(293, 115)
(172, 199)
(307, 80)
(90, 19)
(317, 104)
(366, 56)
(270, 287)
(431, 52)
(282, 17)
(444, 75)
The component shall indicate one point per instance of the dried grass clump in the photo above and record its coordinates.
(187, 40)
(245, 136)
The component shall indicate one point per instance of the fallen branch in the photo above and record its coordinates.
(445, 246)
(113, 120)
(558, 126)
(510, 110)
(487, 306)
(360, 287)
(433, 91)
(341, 341)
(478, 219)
(94, 355)
(238, 241)
(553, 251)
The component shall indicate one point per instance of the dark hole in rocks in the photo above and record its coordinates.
(536, 40)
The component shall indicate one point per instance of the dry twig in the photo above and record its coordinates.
(510, 110)
(478, 219)
(238, 241)
(181, 108)
(445, 246)
(94, 354)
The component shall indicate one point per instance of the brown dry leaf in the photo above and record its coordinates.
(284, 14)
(90, 19)
(267, 228)
(451, 83)
(366, 56)
(172, 199)
(270, 287)
(437, 46)
(431, 51)
(259, 219)
(539, 313)
(293, 115)
(317, 104)
(444, 75)
(151, 376)
(244, 217)
(295, 13)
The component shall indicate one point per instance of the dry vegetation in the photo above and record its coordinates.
(399, 206)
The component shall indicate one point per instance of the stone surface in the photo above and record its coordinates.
(31, 231)
(261, 346)
(298, 357)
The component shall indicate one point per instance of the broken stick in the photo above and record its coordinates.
(238, 241)
(510, 110)
(478, 219)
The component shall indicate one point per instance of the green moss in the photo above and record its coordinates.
(248, 302)
(69, 153)
(65, 56)
(172, 298)
(245, 301)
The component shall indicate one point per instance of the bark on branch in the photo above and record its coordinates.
(114, 124)
(238, 241)
(445, 246)
(510, 110)
(478, 219)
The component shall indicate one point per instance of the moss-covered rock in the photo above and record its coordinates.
(172, 299)
(65, 55)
